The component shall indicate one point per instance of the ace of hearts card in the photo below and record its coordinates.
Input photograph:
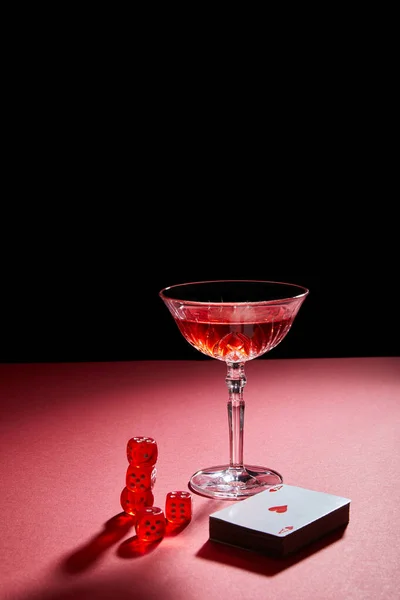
(279, 520)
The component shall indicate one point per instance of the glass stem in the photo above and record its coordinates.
(236, 380)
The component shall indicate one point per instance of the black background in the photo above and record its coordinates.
(123, 175)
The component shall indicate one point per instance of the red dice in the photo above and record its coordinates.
(178, 507)
(142, 450)
(150, 524)
(140, 478)
(133, 502)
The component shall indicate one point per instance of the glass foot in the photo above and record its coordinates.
(229, 483)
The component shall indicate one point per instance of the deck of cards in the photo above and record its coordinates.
(280, 520)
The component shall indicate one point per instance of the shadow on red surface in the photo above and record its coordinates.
(114, 530)
(134, 548)
(261, 563)
(111, 589)
(87, 555)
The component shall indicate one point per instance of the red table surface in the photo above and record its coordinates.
(331, 425)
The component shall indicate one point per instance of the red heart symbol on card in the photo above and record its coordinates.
(275, 489)
(285, 529)
(279, 509)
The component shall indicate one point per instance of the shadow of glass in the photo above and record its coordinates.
(86, 556)
(263, 564)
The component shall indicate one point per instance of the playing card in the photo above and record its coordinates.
(279, 520)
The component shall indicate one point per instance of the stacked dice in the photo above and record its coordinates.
(137, 497)
(142, 454)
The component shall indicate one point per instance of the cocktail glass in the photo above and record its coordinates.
(234, 321)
